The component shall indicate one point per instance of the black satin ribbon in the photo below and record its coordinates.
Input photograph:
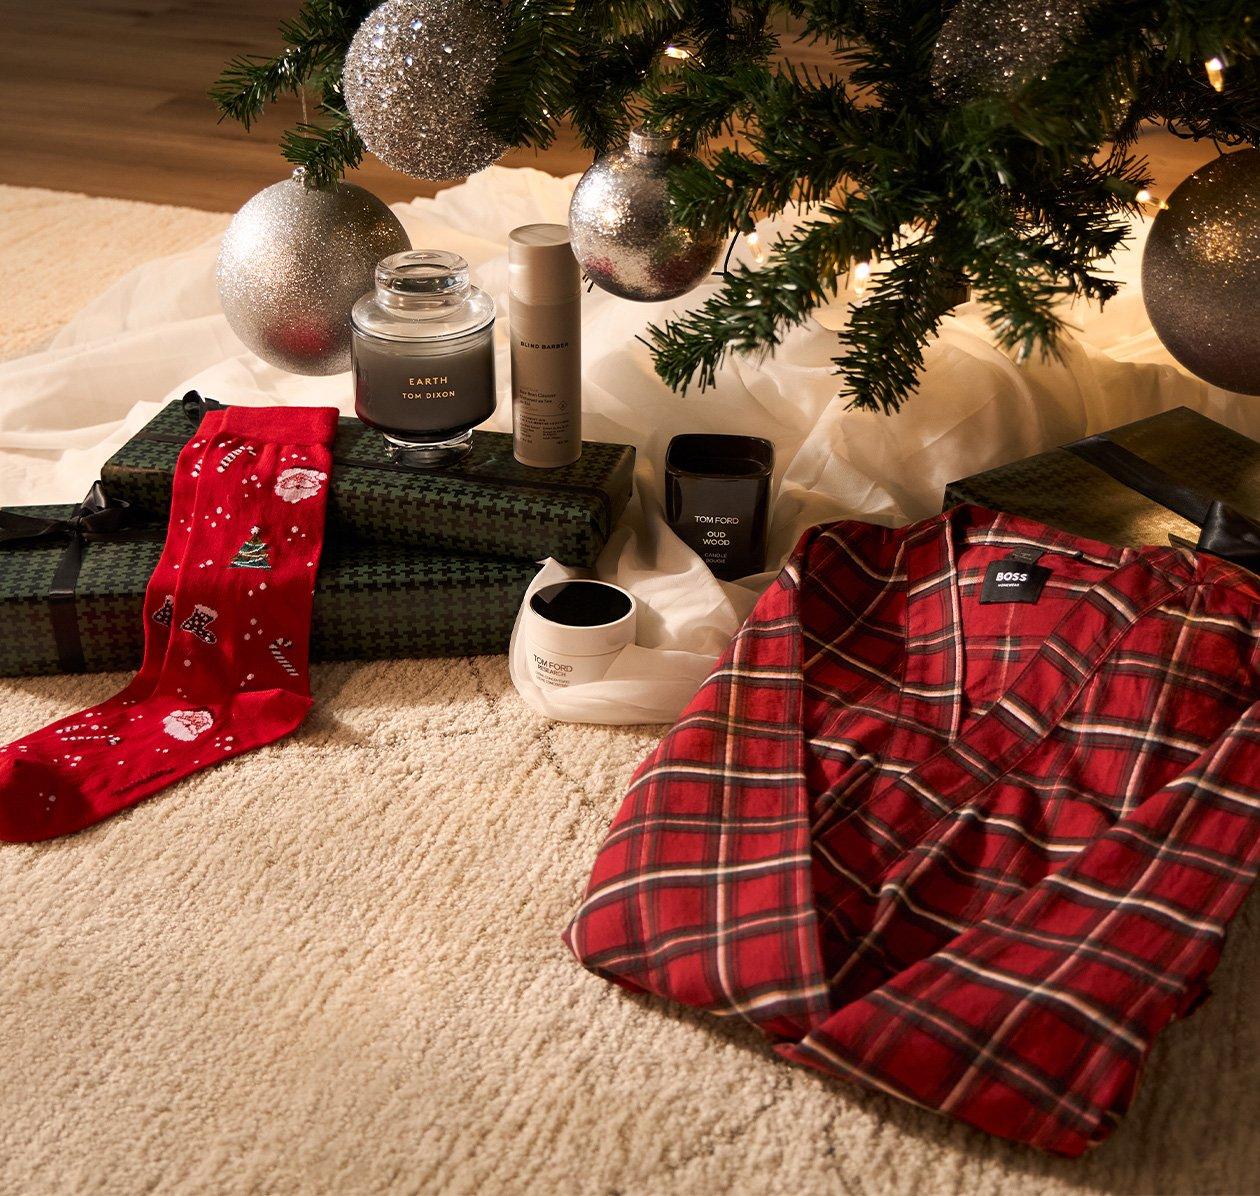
(1224, 531)
(196, 406)
(1231, 534)
(98, 519)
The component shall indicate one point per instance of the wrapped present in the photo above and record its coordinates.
(72, 583)
(1177, 476)
(486, 505)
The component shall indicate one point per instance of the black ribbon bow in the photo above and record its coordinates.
(1231, 534)
(97, 519)
(197, 405)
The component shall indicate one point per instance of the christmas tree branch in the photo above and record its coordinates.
(1024, 189)
(315, 46)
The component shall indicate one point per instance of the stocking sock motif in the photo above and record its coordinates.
(212, 684)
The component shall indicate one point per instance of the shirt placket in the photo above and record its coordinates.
(969, 758)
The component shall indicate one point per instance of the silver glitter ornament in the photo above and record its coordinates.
(1201, 273)
(292, 263)
(624, 230)
(994, 47)
(415, 80)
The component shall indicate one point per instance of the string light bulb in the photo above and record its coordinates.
(680, 52)
(1215, 67)
(861, 278)
(753, 241)
(1147, 198)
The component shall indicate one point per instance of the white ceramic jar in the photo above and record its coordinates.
(574, 630)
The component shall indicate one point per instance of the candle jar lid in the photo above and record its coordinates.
(423, 295)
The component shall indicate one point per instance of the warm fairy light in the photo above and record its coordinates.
(676, 52)
(861, 276)
(754, 244)
(1215, 68)
(1147, 198)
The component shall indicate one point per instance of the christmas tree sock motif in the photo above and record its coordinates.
(195, 700)
(253, 554)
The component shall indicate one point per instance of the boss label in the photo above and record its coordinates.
(1013, 581)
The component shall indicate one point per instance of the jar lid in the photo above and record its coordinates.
(423, 295)
(581, 618)
(415, 274)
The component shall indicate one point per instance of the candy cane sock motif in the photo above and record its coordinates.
(230, 457)
(85, 733)
(276, 648)
(188, 708)
(199, 622)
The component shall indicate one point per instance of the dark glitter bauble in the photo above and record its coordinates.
(1201, 273)
(987, 48)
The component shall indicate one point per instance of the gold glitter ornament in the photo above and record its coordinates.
(1201, 273)
(291, 265)
(994, 48)
(415, 81)
(623, 227)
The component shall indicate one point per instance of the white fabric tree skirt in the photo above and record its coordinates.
(159, 331)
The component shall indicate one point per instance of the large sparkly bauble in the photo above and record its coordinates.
(988, 47)
(292, 263)
(624, 231)
(1201, 273)
(416, 78)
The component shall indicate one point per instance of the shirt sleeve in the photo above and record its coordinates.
(702, 891)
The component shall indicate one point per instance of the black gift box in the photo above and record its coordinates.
(1146, 482)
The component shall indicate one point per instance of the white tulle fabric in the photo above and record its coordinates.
(159, 331)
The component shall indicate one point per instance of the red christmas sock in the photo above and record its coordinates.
(227, 624)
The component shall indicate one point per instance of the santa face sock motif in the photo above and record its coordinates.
(227, 624)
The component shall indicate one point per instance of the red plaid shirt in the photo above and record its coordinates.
(973, 855)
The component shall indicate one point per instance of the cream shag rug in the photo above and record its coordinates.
(335, 965)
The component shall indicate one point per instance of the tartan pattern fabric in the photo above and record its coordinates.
(372, 602)
(486, 505)
(975, 856)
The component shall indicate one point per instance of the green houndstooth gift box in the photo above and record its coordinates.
(486, 505)
(74, 603)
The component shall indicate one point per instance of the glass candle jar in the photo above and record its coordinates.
(423, 349)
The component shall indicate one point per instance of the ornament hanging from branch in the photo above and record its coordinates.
(625, 230)
(292, 263)
(997, 144)
(1201, 273)
(416, 78)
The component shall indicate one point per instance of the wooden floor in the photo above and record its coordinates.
(108, 97)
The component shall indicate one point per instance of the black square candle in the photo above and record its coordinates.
(717, 499)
